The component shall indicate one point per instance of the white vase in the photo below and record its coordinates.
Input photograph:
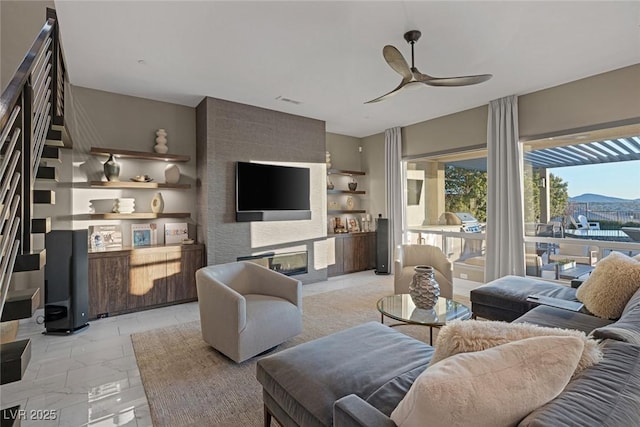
(161, 142)
(157, 203)
(171, 174)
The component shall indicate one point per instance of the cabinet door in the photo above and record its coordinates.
(181, 274)
(349, 254)
(147, 279)
(108, 284)
(362, 252)
(336, 268)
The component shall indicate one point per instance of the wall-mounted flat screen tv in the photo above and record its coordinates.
(272, 192)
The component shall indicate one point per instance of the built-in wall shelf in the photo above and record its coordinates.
(345, 211)
(143, 155)
(133, 184)
(140, 215)
(346, 192)
(344, 172)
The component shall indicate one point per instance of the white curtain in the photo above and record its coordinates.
(505, 221)
(395, 188)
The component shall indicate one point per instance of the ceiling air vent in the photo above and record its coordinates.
(289, 100)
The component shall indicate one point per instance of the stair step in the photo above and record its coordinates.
(47, 197)
(57, 123)
(54, 137)
(30, 262)
(11, 416)
(51, 153)
(48, 173)
(9, 331)
(20, 304)
(40, 225)
(14, 359)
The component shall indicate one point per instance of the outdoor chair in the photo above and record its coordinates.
(588, 225)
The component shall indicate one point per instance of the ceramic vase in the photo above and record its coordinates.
(328, 158)
(330, 185)
(157, 203)
(111, 169)
(161, 142)
(171, 174)
(350, 203)
(353, 184)
(424, 289)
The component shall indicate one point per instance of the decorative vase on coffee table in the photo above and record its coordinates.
(424, 289)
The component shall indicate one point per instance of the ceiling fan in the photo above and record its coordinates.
(411, 76)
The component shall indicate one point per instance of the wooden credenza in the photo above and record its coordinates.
(353, 252)
(133, 279)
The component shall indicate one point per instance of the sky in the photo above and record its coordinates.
(618, 179)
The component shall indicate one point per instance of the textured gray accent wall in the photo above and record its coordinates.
(237, 132)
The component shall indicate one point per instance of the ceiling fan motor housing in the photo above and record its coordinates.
(412, 36)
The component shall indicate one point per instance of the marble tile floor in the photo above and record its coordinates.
(91, 378)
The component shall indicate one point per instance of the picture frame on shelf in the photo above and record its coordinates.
(104, 237)
(175, 233)
(353, 225)
(144, 234)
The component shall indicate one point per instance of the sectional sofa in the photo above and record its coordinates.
(357, 377)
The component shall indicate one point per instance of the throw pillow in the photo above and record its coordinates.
(494, 388)
(465, 336)
(610, 286)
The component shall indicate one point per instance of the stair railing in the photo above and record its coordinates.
(30, 104)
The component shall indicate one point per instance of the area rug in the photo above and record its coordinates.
(190, 384)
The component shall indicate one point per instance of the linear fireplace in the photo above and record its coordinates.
(288, 263)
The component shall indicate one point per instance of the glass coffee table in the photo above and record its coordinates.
(401, 308)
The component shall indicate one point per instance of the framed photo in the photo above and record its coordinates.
(103, 237)
(175, 233)
(144, 234)
(353, 225)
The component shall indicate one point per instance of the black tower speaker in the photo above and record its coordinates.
(382, 247)
(66, 281)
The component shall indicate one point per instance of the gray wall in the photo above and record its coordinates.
(344, 151)
(594, 102)
(103, 119)
(229, 132)
(20, 23)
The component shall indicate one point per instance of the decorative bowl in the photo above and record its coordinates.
(142, 178)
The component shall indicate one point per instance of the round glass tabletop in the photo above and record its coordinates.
(402, 308)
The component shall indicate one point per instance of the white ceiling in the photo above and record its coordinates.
(328, 55)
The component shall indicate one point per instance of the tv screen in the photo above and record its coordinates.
(261, 187)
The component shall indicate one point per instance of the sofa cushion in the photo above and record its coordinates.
(554, 317)
(493, 381)
(606, 394)
(477, 335)
(307, 379)
(506, 298)
(610, 286)
(626, 329)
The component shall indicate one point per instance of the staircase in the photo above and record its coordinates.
(31, 130)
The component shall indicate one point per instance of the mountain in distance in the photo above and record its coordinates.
(598, 198)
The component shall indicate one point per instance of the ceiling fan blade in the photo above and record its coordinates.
(396, 61)
(389, 94)
(455, 81)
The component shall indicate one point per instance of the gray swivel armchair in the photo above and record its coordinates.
(408, 256)
(246, 309)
